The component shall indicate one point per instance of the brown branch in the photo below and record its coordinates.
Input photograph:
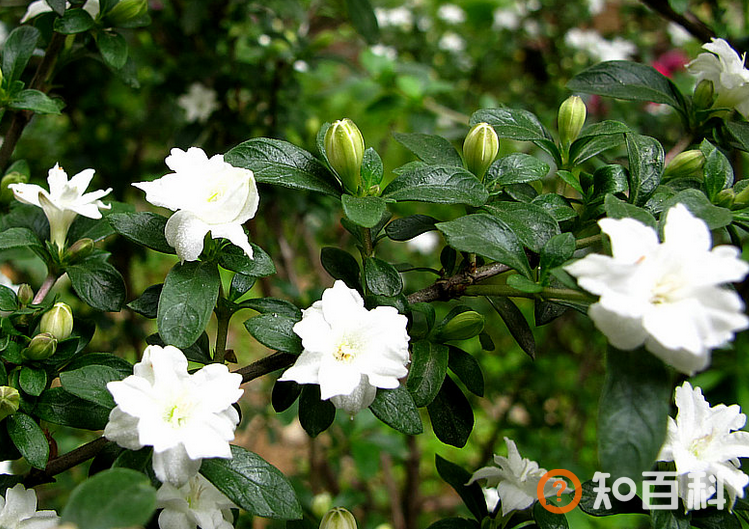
(266, 365)
(453, 287)
(410, 497)
(396, 509)
(688, 20)
(64, 462)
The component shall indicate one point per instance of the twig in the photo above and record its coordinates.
(49, 282)
(411, 499)
(65, 462)
(454, 287)
(688, 20)
(266, 365)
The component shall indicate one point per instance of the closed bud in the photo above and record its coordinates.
(704, 94)
(686, 164)
(81, 249)
(321, 504)
(10, 400)
(725, 198)
(25, 294)
(480, 148)
(57, 321)
(344, 147)
(338, 518)
(126, 11)
(463, 326)
(571, 119)
(41, 347)
(742, 196)
(6, 195)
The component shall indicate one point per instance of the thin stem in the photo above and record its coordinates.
(223, 317)
(66, 461)
(266, 365)
(587, 241)
(368, 246)
(454, 286)
(549, 293)
(49, 282)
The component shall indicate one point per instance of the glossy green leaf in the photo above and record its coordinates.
(717, 170)
(8, 300)
(409, 227)
(700, 206)
(35, 101)
(646, 161)
(457, 477)
(315, 415)
(29, 438)
(555, 205)
(610, 179)
(284, 394)
(433, 150)
(142, 228)
(32, 380)
(341, 265)
(427, 372)
(532, 224)
(583, 149)
(556, 252)
(273, 306)
(73, 21)
(363, 19)
(467, 369)
(437, 184)
(451, 415)
(516, 323)
(148, 303)
(396, 408)
(60, 407)
(19, 238)
(618, 209)
(364, 211)
(547, 519)
(516, 168)
(233, 258)
(90, 383)
(512, 123)
(17, 50)
(98, 283)
(122, 366)
(113, 48)
(275, 331)
(372, 169)
(382, 278)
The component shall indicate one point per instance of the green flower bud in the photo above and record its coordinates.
(463, 326)
(57, 321)
(338, 518)
(321, 504)
(742, 194)
(6, 195)
(81, 249)
(42, 346)
(344, 147)
(25, 294)
(686, 164)
(571, 119)
(704, 94)
(125, 11)
(10, 400)
(725, 198)
(480, 148)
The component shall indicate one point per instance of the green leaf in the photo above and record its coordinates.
(73, 21)
(364, 211)
(341, 265)
(488, 236)
(186, 302)
(556, 252)
(457, 477)
(284, 395)
(122, 366)
(143, 228)
(33, 381)
(548, 520)
(439, 185)
(571, 180)
(610, 179)
(197, 352)
(523, 284)
(275, 331)
(97, 229)
(17, 50)
(605, 128)
(363, 19)
(428, 370)
(454, 523)
(516, 168)
(233, 258)
(516, 323)
(632, 412)
(717, 170)
(433, 150)
(372, 169)
(118, 497)
(583, 149)
(98, 283)
(315, 415)
(696, 202)
(396, 408)
(253, 484)
(532, 224)
(281, 163)
(618, 209)
(739, 131)
(19, 238)
(113, 48)
(556, 206)
(410, 227)
(451, 415)
(8, 299)
(627, 80)
(382, 278)
(715, 519)
(273, 305)
(148, 303)
(646, 159)
(240, 285)
(58, 6)
(60, 407)
(670, 519)
(29, 438)
(90, 383)
(467, 370)
(512, 123)
(588, 501)
(35, 101)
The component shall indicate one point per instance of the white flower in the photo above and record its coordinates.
(18, 510)
(491, 497)
(348, 350)
(516, 479)
(198, 103)
(725, 69)
(425, 243)
(184, 417)
(207, 195)
(703, 439)
(64, 200)
(451, 14)
(667, 296)
(599, 48)
(197, 503)
(37, 7)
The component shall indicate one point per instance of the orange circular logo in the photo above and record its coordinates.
(562, 485)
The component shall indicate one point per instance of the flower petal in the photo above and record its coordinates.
(185, 233)
(174, 466)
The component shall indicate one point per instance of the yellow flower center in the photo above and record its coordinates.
(344, 352)
(700, 444)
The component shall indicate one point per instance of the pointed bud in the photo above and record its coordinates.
(126, 11)
(10, 400)
(480, 148)
(81, 249)
(6, 194)
(321, 504)
(42, 346)
(742, 197)
(344, 147)
(686, 164)
(704, 94)
(338, 518)
(57, 321)
(463, 326)
(25, 294)
(725, 198)
(571, 119)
